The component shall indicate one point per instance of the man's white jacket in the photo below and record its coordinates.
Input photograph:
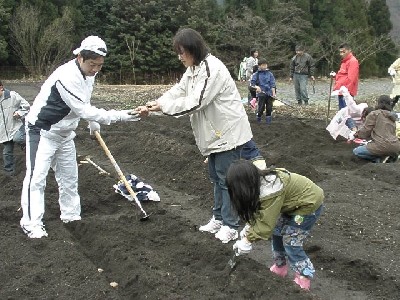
(64, 98)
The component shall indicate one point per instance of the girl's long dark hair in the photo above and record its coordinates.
(243, 181)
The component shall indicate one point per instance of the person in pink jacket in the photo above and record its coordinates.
(348, 73)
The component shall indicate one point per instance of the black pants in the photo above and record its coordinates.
(264, 102)
(251, 95)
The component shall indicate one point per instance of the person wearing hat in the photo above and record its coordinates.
(301, 67)
(63, 100)
(12, 130)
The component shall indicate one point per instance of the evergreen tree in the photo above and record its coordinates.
(152, 24)
(379, 19)
(5, 16)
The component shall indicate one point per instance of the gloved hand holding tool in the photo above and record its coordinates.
(232, 262)
(242, 246)
(93, 126)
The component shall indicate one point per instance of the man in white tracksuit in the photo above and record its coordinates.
(63, 100)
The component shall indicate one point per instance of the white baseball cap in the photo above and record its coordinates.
(92, 43)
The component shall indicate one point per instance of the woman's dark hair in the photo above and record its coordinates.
(243, 180)
(252, 51)
(190, 41)
(366, 112)
(384, 102)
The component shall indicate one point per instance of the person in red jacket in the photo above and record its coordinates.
(348, 73)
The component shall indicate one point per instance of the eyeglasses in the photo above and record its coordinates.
(342, 51)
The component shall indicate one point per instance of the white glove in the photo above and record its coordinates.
(335, 93)
(94, 126)
(351, 136)
(332, 73)
(344, 90)
(392, 72)
(128, 115)
(242, 246)
(243, 233)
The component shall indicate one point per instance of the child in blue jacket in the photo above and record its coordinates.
(263, 81)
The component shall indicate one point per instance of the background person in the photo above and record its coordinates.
(301, 67)
(208, 94)
(277, 203)
(63, 100)
(380, 130)
(348, 73)
(251, 61)
(242, 70)
(12, 129)
(394, 71)
(349, 118)
(263, 82)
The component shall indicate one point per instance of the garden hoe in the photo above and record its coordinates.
(232, 262)
(144, 216)
(329, 101)
(101, 170)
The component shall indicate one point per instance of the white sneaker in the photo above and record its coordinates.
(34, 232)
(227, 234)
(212, 226)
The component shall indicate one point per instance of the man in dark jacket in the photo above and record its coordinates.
(301, 67)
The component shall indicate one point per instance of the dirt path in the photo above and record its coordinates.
(354, 247)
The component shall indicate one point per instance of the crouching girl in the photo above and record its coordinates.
(279, 203)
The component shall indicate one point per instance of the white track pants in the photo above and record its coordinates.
(45, 150)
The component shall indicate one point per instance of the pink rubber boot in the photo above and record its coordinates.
(280, 271)
(253, 103)
(302, 281)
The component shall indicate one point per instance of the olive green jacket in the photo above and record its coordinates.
(291, 194)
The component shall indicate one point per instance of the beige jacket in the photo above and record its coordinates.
(208, 94)
(396, 78)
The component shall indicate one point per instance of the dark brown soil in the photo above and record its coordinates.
(355, 246)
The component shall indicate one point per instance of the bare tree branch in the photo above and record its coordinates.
(40, 48)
